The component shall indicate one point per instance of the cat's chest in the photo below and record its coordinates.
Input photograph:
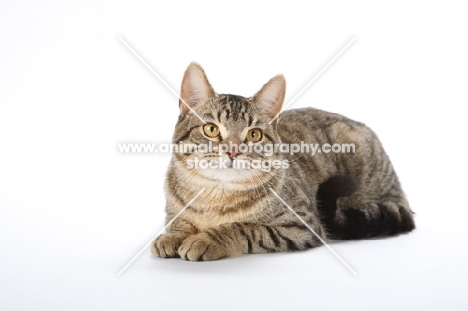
(213, 210)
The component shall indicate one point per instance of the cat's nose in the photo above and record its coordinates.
(232, 154)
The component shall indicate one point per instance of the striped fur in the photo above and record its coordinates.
(341, 196)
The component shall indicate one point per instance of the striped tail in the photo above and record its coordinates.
(384, 218)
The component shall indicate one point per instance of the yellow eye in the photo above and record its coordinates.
(254, 135)
(211, 130)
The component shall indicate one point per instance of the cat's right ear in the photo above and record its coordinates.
(271, 96)
(195, 88)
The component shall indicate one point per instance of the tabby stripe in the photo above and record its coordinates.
(186, 135)
(273, 236)
(268, 249)
(385, 165)
(228, 235)
(290, 243)
(180, 119)
(294, 225)
(250, 120)
(280, 214)
(268, 136)
(308, 244)
(252, 232)
(212, 235)
(246, 236)
(338, 164)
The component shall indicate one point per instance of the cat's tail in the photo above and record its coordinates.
(383, 218)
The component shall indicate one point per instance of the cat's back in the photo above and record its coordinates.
(318, 126)
(337, 144)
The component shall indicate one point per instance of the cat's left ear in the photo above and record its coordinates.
(195, 88)
(270, 98)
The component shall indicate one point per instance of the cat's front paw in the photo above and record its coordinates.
(166, 245)
(201, 247)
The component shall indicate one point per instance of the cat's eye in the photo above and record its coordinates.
(254, 135)
(211, 130)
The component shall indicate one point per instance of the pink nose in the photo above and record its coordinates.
(232, 154)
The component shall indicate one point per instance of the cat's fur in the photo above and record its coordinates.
(340, 195)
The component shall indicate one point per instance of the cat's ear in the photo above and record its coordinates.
(195, 88)
(270, 98)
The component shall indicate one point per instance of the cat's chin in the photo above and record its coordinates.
(228, 174)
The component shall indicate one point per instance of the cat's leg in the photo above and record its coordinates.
(167, 244)
(247, 238)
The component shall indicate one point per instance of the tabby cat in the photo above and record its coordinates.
(341, 196)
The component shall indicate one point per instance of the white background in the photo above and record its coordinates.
(73, 211)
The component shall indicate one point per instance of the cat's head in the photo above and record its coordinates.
(228, 138)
